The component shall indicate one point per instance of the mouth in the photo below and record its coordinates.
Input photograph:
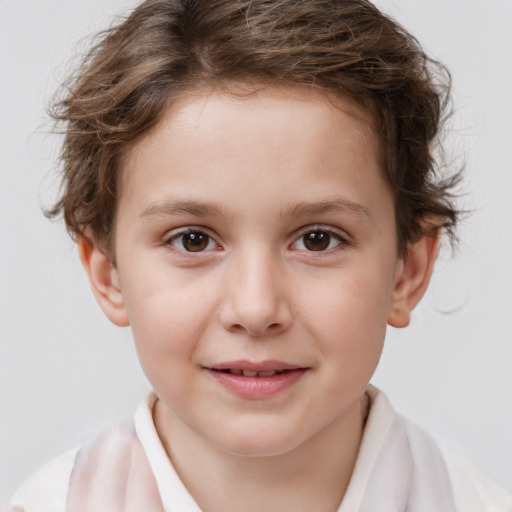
(256, 380)
(244, 368)
(251, 373)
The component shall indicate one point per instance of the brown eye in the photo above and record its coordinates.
(192, 241)
(320, 240)
(195, 242)
(317, 240)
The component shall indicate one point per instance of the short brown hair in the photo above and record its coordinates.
(163, 48)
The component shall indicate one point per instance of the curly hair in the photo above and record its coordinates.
(137, 68)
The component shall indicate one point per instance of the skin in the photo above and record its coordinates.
(255, 175)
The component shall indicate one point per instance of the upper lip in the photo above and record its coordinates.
(254, 366)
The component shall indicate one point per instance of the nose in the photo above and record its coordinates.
(255, 300)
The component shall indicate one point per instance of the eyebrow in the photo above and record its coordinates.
(206, 209)
(197, 209)
(341, 205)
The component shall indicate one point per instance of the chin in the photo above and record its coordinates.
(259, 442)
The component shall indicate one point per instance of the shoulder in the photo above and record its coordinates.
(474, 489)
(46, 490)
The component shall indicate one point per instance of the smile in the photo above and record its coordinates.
(251, 373)
(255, 381)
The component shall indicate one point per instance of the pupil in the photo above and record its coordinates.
(195, 242)
(317, 241)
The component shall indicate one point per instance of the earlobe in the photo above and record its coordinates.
(413, 276)
(104, 280)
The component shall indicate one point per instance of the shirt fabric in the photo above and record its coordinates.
(398, 468)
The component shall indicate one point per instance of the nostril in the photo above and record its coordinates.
(238, 327)
(271, 328)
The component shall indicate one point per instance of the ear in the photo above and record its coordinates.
(413, 276)
(104, 280)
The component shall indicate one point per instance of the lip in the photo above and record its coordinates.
(254, 366)
(256, 388)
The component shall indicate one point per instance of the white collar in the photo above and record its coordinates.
(398, 465)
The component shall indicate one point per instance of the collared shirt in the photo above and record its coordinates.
(392, 449)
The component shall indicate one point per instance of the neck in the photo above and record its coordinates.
(312, 476)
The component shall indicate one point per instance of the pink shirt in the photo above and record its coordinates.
(398, 465)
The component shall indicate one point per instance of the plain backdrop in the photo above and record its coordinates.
(66, 373)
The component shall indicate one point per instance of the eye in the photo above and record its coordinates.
(192, 241)
(319, 240)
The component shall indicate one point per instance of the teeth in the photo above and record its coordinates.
(251, 373)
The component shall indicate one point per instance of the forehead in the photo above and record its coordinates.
(209, 114)
(211, 144)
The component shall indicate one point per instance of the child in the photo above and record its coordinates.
(251, 186)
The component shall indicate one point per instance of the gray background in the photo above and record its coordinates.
(66, 373)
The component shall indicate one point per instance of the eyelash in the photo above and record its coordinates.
(192, 230)
(342, 242)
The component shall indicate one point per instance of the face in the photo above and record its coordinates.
(256, 260)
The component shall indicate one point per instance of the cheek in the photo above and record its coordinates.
(347, 317)
(167, 320)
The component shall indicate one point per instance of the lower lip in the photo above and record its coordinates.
(257, 387)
